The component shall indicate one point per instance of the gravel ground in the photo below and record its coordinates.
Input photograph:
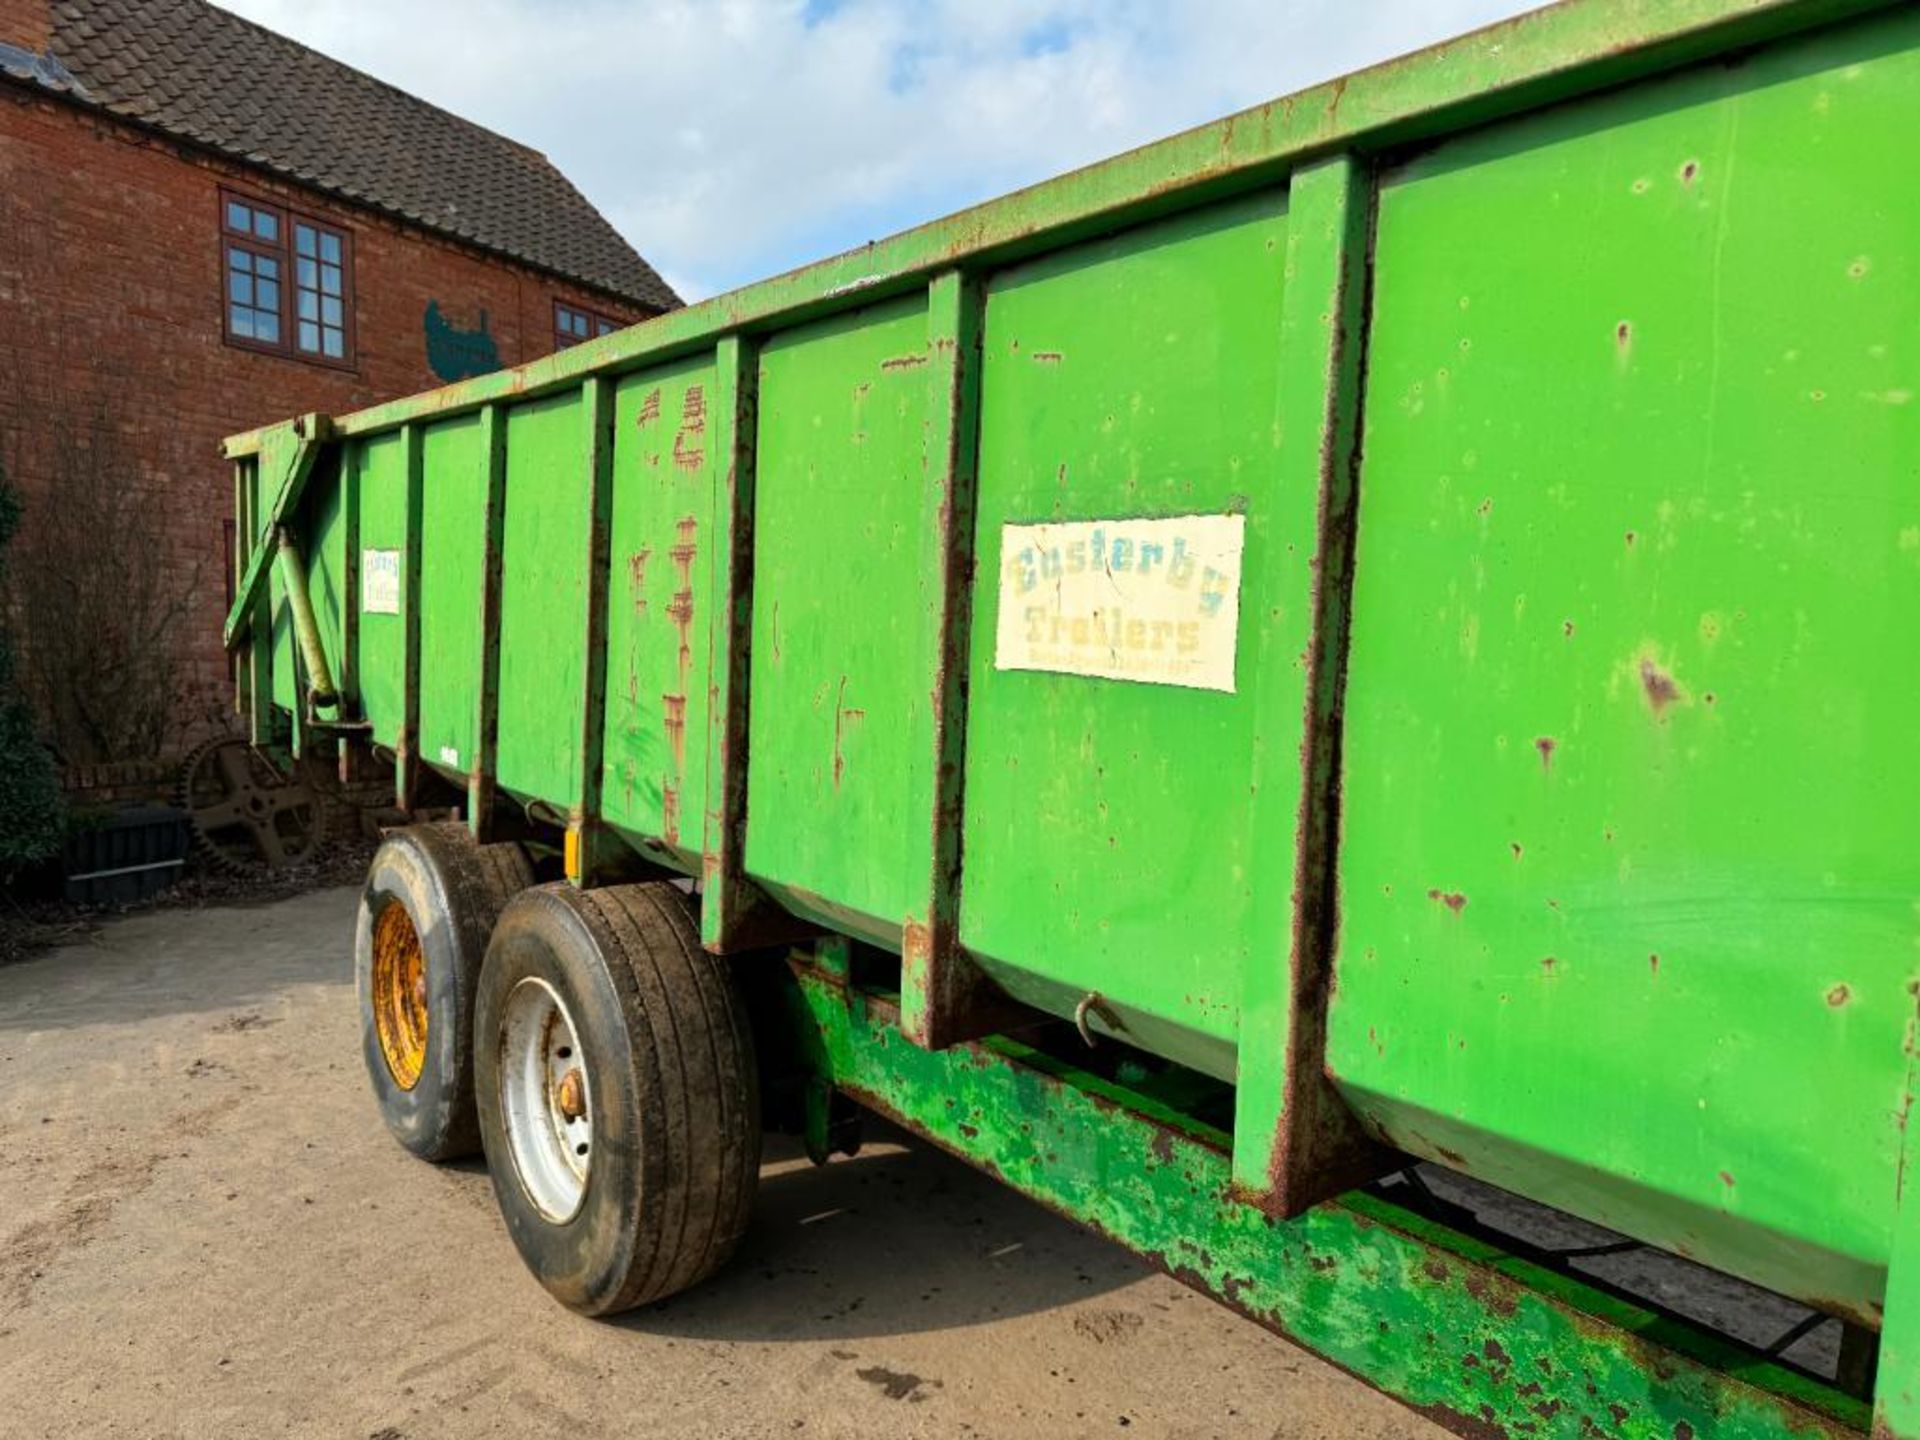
(204, 1231)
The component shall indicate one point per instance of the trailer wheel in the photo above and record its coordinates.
(431, 899)
(618, 1095)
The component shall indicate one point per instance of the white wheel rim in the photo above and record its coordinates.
(545, 1100)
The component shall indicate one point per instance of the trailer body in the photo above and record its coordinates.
(1400, 602)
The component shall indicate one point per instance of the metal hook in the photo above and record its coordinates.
(1094, 1005)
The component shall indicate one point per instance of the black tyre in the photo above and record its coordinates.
(428, 909)
(619, 1100)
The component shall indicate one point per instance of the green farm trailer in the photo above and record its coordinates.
(1367, 645)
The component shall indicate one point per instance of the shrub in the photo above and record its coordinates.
(30, 810)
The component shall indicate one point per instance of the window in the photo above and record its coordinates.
(289, 283)
(571, 325)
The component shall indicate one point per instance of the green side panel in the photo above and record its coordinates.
(1897, 1409)
(543, 599)
(285, 683)
(286, 687)
(383, 527)
(1631, 857)
(659, 606)
(453, 510)
(841, 703)
(1130, 838)
(326, 552)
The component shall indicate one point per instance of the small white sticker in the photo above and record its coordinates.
(380, 582)
(450, 757)
(1153, 601)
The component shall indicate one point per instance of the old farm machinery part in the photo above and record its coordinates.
(247, 815)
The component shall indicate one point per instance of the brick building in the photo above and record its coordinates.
(204, 226)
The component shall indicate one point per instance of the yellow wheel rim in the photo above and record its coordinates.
(400, 995)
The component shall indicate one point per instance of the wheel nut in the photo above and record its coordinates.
(573, 1094)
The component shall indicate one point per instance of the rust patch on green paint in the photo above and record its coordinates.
(1658, 685)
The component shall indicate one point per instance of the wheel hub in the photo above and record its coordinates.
(400, 995)
(573, 1095)
(545, 1099)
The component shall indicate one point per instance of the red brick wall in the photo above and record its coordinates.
(110, 297)
(24, 23)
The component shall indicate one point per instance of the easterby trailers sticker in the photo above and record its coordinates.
(380, 582)
(1153, 601)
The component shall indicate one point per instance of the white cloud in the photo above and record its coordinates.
(734, 138)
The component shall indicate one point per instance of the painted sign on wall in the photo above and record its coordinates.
(455, 352)
(1154, 601)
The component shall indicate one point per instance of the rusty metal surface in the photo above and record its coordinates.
(399, 994)
(482, 782)
(1296, 1142)
(595, 854)
(245, 814)
(1484, 1343)
(944, 996)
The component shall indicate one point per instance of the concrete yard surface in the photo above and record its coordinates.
(205, 1231)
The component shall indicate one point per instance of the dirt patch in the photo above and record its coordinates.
(897, 1384)
(240, 1024)
(85, 1211)
(1108, 1327)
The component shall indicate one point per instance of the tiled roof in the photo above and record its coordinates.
(198, 72)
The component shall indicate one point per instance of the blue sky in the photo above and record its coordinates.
(734, 139)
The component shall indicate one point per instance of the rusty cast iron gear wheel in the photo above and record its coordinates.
(246, 815)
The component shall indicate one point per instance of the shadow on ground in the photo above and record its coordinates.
(900, 1239)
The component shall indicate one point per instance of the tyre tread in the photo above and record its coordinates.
(705, 1099)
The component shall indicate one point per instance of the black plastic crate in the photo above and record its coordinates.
(120, 858)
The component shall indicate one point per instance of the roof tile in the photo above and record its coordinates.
(197, 71)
